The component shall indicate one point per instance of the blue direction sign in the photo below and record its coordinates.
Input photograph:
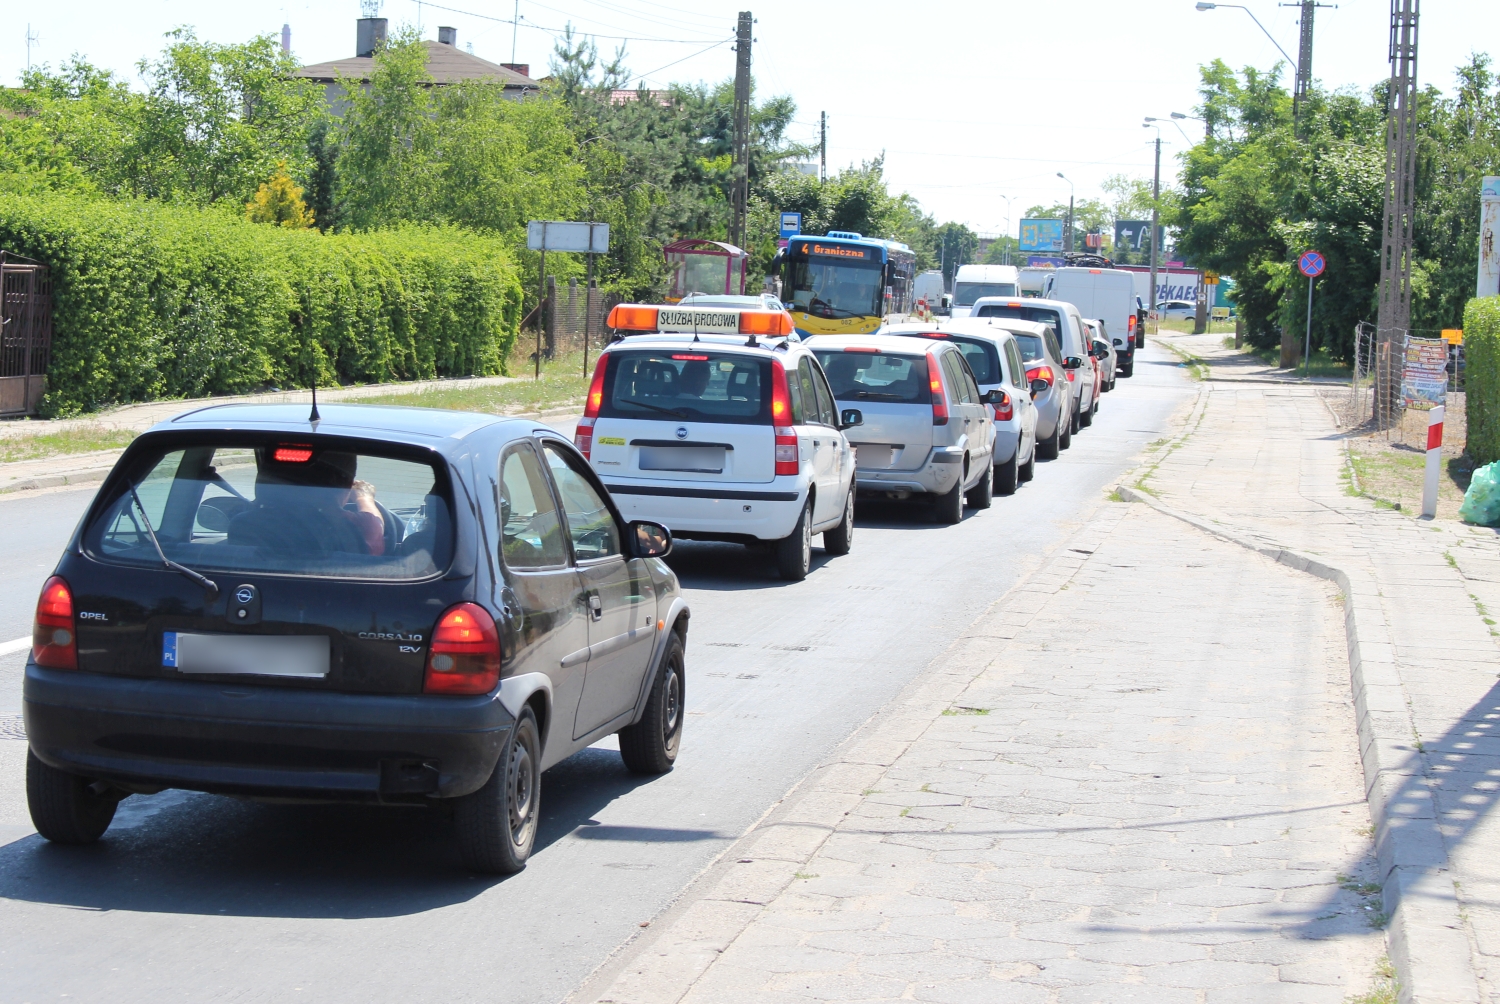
(1311, 264)
(791, 224)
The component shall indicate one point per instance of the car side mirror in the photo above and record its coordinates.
(1039, 386)
(649, 540)
(850, 417)
(1073, 363)
(995, 396)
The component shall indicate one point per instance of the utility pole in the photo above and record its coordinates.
(1394, 311)
(515, 26)
(822, 147)
(741, 192)
(1303, 85)
(1155, 227)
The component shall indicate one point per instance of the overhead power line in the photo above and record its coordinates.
(522, 22)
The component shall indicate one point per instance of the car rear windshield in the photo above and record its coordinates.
(289, 506)
(876, 376)
(688, 384)
(1031, 348)
(965, 293)
(983, 358)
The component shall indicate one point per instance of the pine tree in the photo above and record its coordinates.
(279, 201)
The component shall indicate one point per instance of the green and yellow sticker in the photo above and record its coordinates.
(610, 441)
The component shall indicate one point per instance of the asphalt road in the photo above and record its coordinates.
(202, 898)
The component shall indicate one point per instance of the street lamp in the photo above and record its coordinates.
(1215, 6)
(1191, 118)
(1068, 234)
(1179, 128)
(1007, 199)
(1150, 123)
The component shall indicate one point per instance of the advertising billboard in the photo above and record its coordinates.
(1041, 235)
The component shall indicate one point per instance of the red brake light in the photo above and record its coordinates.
(464, 657)
(856, 348)
(787, 459)
(691, 359)
(1041, 373)
(54, 640)
(1005, 410)
(939, 392)
(295, 454)
(583, 435)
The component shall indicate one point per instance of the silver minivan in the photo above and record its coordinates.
(927, 429)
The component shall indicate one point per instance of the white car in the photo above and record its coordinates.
(721, 425)
(998, 365)
(1078, 358)
(1177, 310)
(1105, 355)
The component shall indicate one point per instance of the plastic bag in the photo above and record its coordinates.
(1482, 500)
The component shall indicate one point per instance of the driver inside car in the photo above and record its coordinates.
(311, 506)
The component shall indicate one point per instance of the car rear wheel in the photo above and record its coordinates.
(949, 506)
(650, 745)
(1066, 439)
(497, 824)
(983, 493)
(64, 807)
(1050, 446)
(1007, 474)
(1128, 370)
(1027, 470)
(1087, 418)
(794, 552)
(841, 538)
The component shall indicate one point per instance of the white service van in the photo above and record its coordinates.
(932, 287)
(1107, 294)
(971, 282)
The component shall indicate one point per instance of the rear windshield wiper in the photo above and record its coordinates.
(674, 412)
(202, 580)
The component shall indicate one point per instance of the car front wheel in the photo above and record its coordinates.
(497, 824)
(1007, 475)
(794, 552)
(650, 745)
(64, 807)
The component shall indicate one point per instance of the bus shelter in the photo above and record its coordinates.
(702, 266)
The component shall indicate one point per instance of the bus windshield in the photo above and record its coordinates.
(826, 286)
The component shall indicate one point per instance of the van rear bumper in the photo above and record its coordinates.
(711, 512)
(257, 740)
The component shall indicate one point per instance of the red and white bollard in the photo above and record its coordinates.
(1434, 460)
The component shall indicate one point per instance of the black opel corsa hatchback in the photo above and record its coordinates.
(391, 605)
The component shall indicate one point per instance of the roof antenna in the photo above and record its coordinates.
(695, 327)
(314, 416)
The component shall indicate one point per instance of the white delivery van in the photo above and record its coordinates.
(932, 287)
(1034, 280)
(971, 282)
(1107, 294)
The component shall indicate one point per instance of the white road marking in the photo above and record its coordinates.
(12, 647)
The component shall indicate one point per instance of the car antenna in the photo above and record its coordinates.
(313, 416)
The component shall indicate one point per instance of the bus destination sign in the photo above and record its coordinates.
(839, 251)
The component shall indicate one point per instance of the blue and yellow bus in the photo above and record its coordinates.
(844, 283)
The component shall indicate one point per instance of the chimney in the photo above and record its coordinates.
(371, 32)
(448, 36)
(286, 38)
(524, 69)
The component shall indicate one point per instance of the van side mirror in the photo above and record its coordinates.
(649, 540)
(850, 417)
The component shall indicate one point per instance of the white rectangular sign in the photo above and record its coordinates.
(554, 235)
(1489, 234)
(685, 319)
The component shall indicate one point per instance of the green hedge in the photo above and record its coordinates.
(1482, 378)
(159, 301)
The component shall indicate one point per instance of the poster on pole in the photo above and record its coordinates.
(556, 235)
(1424, 375)
(1041, 235)
(1489, 231)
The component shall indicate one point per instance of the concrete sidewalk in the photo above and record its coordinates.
(1124, 782)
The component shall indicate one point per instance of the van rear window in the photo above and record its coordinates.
(688, 384)
(876, 376)
(965, 293)
(290, 506)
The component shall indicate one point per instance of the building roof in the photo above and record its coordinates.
(446, 63)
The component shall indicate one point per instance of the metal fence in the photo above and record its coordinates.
(25, 336)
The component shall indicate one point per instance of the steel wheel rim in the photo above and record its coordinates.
(849, 517)
(807, 537)
(672, 716)
(522, 784)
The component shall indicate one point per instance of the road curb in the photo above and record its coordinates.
(662, 965)
(1428, 939)
(86, 476)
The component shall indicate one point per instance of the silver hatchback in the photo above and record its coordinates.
(928, 431)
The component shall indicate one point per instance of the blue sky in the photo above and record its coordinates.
(971, 102)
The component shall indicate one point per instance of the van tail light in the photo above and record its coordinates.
(1072, 375)
(939, 392)
(583, 435)
(1041, 373)
(54, 639)
(787, 460)
(1006, 409)
(1130, 329)
(464, 657)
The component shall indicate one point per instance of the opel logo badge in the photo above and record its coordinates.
(681, 432)
(244, 595)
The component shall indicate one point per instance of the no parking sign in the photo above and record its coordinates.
(1311, 264)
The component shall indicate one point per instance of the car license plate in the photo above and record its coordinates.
(692, 459)
(304, 656)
